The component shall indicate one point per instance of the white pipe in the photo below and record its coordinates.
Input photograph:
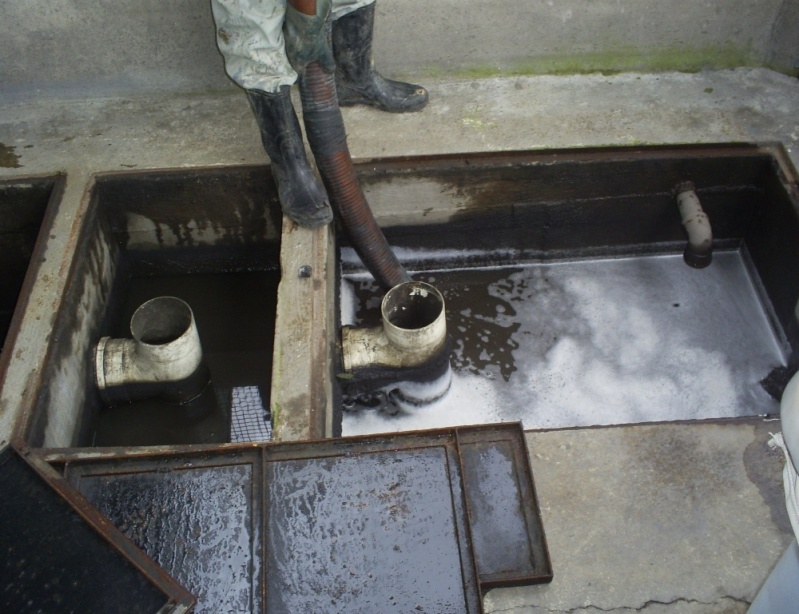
(789, 417)
(414, 330)
(699, 251)
(163, 358)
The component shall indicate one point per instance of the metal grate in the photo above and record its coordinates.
(249, 419)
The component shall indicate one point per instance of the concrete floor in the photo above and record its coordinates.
(656, 518)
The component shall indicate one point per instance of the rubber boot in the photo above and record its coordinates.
(302, 197)
(357, 81)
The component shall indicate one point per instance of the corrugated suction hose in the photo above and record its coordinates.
(324, 127)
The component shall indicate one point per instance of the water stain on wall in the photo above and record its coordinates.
(8, 159)
(764, 468)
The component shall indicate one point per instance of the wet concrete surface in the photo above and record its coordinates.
(654, 518)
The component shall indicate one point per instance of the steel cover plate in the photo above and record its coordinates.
(368, 532)
(196, 517)
(56, 558)
(416, 522)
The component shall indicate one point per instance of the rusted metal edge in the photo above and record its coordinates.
(451, 438)
(177, 462)
(460, 506)
(29, 396)
(389, 440)
(786, 169)
(50, 213)
(544, 156)
(178, 598)
(513, 434)
(66, 455)
(385, 441)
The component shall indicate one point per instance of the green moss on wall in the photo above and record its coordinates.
(615, 60)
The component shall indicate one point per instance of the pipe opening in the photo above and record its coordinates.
(413, 318)
(162, 360)
(406, 362)
(161, 320)
(412, 306)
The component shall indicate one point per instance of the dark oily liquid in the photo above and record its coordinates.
(235, 317)
(416, 312)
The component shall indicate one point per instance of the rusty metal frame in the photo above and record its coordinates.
(456, 441)
(58, 182)
(539, 567)
(322, 394)
(178, 599)
(110, 466)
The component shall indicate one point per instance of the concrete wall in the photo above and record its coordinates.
(96, 47)
(784, 51)
(572, 36)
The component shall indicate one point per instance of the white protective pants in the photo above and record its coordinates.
(780, 592)
(250, 36)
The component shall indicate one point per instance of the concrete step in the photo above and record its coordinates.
(155, 130)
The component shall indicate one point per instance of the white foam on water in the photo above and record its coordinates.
(610, 342)
(347, 304)
(349, 257)
(469, 401)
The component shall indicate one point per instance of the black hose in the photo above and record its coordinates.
(324, 127)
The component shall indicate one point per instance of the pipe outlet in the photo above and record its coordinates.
(699, 251)
(163, 359)
(414, 331)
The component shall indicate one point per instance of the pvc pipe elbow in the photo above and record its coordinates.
(164, 357)
(414, 330)
(699, 251)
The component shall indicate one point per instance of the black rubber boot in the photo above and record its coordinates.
(357, 81)
(302, 197)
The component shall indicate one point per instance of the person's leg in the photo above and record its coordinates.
(302, 197)
(250, 37)
(780, 592)
(249, 34)
(345, 7)
(357, 80)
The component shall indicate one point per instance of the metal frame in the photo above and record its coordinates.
(177, 599)
(457, 442)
